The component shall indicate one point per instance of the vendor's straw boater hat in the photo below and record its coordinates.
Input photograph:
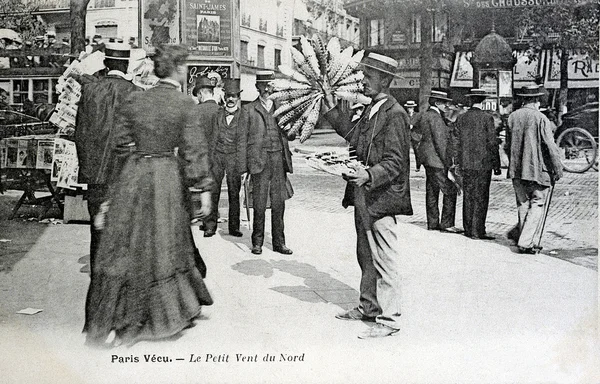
(440, 95)
(117, 51)
(530, 91)
(231, 87)
(265, 76)
(477, 92)
(380, 63)
(410, 104)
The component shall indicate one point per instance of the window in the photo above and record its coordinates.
(376, 33)
(277, 60)
(20, 91)
(439, 27)
(244, 52)
(416, 28)
(260, 57)
(104, 3)
(106, 31)
(40, 91)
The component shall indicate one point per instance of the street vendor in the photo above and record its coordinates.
(379, 191)
(95, 131)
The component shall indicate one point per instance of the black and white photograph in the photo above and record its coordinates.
(299, 191)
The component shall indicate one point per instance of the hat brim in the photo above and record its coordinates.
(479, 95)
(530, 94)
(380, 70)
(116, 58)
(440, 98)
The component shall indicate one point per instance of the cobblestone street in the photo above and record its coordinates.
(571, 228)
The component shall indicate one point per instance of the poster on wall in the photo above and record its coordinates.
(505, 83)
(208, 27)
(215, 72)
(160, 23)
(488, 80)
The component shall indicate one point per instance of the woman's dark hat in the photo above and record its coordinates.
(530, 91)
(265, 76)
(117, 51)
(231, 86)
(440, 95)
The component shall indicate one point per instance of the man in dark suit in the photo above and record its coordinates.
(477, 155)
(95, 131)
(228, 156)
(437, 159)
(378, 191)
(268, 160)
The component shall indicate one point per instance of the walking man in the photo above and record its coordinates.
(437, 159)
(269, 159)
(477, 155)
(379, 191)
(95, 131)
(534, 165)
(415, 131)
(228, 157)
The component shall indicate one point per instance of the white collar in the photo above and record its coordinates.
(436, 109)
(376, 107)
(116, 72)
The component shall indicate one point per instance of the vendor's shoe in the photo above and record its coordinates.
(376, 331)
(236, 233)
(209, 232)
(283, 250)
(354, 315)
(485, 237)
(256, 249)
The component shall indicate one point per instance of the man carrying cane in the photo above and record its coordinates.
(534, 166)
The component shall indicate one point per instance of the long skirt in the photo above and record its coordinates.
(145, 284)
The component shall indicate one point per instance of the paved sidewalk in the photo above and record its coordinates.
(473, 312)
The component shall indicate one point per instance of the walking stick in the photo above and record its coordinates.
(247, 201)
(546, 211)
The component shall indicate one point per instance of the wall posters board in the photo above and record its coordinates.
(159, 23)
(207, 27)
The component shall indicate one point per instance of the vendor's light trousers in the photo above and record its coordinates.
(377, 251)
(531, 200)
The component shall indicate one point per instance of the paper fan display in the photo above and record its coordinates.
(334, 162)
(320, 69)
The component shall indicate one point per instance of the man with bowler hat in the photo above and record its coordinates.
(228, 157)
(379, 190)
(477, 156)
(437, 159)
(415, 131)
(534, 167)
(268, 160)
(96, 130)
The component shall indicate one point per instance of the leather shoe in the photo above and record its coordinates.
(283, 250)
(485, 237)
(354, 314)
(236, 233)
(256, 249)
(530, 251)
(378, 330)
(209, 233)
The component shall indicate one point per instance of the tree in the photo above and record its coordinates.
(565, 27)
(18, 16)
(78, 12)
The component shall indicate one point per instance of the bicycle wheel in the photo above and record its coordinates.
(578, 149)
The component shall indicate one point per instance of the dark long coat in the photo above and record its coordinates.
(255, 119)
(382, 143)
(95, 126)
(477, 141)
(434, 143)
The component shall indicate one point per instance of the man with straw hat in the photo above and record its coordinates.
(379, 190)
(477, 155)
(534, 167)
(437, 159)
(96, 130)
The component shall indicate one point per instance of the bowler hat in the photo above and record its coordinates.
(117, 51)
(530, 91)
(478, 92)
(410, 104)
(439, 95)
(265, 76)
(380, 63)
(204, 82)
(231, 86)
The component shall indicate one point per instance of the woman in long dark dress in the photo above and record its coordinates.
(146, 284)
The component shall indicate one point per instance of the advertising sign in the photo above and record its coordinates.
(208, 27)
(159, 23)
(583, 71)
(196, 71)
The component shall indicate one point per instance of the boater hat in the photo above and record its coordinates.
(439, 95)
(530, 91)
(117, 51)
(231, 86)
(410, 104)
(380, 63)
(265, 76)
(478, 92)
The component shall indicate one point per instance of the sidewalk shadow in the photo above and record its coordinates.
(319, 287)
